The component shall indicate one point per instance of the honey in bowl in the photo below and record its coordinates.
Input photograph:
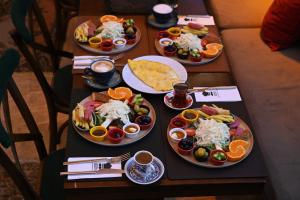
(99, 132)
(131, 129)
(178, 135)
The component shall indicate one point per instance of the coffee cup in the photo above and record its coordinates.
(143, 160)
(162, 13)
(101, 70)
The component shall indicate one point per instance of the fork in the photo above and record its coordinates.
(121, 158)
(203, 89)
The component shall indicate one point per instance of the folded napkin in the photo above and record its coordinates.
(81, 62)
(200, 19)
(229, 94)
(90, 167)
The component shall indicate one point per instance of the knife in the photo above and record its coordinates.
(100, 171)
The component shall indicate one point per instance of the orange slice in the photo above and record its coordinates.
(119, 93)
(107, 18)
(234, 145)
(112, 94)
(210, 53)
(120, 20)
(216, 45)
(124, 91)
(236, 155)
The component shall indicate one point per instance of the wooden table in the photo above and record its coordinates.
(124, 189)
(166, 187)
(146, 45)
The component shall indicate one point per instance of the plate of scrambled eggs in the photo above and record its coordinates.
(153, 74)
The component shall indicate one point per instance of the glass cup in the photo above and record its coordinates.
(180, 95)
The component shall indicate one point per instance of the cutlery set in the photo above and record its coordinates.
(99, 167)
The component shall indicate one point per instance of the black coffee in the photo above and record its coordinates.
(143, 158)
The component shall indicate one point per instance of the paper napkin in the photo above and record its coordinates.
(219, 95)
(90, 167)
(81, 62)
(200, 19)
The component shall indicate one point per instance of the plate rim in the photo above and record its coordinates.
(187, 62)
(84, 45)
(211, 166)
(133, 140)
(126, 68)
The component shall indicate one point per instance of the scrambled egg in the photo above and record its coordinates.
(159, 76)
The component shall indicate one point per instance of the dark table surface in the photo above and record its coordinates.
(247, 177)
(179, 173)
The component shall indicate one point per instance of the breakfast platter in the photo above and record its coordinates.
(111, 35)
(116, 117)
(192, 44)
(210, 137)
(153, 74)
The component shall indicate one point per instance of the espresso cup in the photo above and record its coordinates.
(143, 160)
(101, 70)
(162, 13)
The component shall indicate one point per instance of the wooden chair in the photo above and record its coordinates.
(65, 10)
(51, 184)
(58, 94)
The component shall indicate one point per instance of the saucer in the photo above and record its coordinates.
(171, 22)
(115, 80)
(130, 171)
(170, 95)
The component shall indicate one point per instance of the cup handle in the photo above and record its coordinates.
(87, 71)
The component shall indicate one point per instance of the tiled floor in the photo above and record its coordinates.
(33, 96)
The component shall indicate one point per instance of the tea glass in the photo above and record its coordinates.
(180, 95)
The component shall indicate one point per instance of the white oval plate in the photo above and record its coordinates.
(134, 82)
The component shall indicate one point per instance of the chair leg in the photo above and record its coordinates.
(61, 130)
(8, 125)
(19, 179)
(59, 24)
(53, 130)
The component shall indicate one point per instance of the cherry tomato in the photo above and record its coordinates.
(204, 43)
(190, 132)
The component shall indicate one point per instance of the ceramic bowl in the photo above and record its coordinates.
(95, 129)
(190, 115)
(141, 122)
(131, 134)
(174, 137)
(95, 42)
(119, 43)
(112, 133)
(178, 122)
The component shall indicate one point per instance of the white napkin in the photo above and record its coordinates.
(199, 19)
(81, 62)
(219, 95)
(90, 167)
